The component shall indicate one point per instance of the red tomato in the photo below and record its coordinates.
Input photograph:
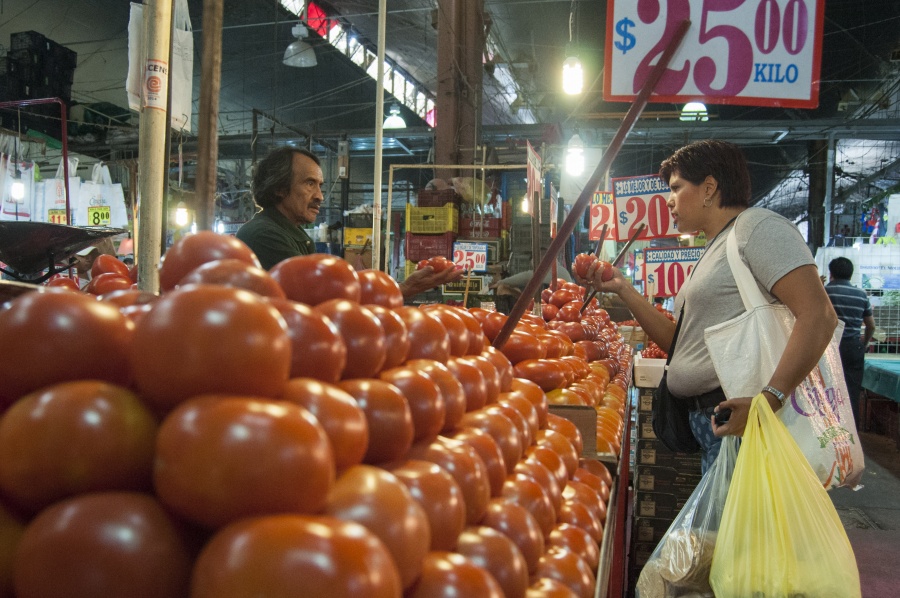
(75, 437)
(317, 347)
(440, 263)
(198, 248)
(234, 273)
(104, 544)
(282, 556)
(489, 451)
(560, 445)
(545, 373)
(209, 338)
(107, 282)
(451, 574)
(377, 500)
(396, 337)
(316, 278)
(521, 346)
(545, 587)
(339, 414)
(439, 496)
(583, 262)
(496, 553)
(492, 324)
(498, 426)
(535, 395)
(57, 335)
(64, 282)
(598, 469)
(524, 491)
(546, 480)
(127, 297)
(576, 540)
(550, 459)
(428, 338)
(568, 429)
(568, 568)
(518, 420)
(363, 336)
(491, 376)
(463, 463)
(220, 458)
(476, 334)
(426, 403)
(548, 311)
(563, 296)
(472, 380)
(573, 330)
(607, 271)
(457, 331)
(518, 525)
(378, 288)
(578, 492)
(388, 417)
(577, 514)
(108, 263)
(516, 400)
(450, 387)
(502, 364)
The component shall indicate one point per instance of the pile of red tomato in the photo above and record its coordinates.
(297, 432)
(652, 351)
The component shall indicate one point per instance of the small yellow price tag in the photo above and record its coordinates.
(98, 216)
(56, 217)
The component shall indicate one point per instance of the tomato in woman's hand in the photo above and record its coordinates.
(583, 262)
(607, 271)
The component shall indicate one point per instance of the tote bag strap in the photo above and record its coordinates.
(750, 293)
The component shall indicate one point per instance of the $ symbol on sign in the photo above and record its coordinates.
(623, 218)
(628, 40)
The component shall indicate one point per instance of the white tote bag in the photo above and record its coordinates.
(745, 352)
(181, 73)
(53, 204)
(100, 201)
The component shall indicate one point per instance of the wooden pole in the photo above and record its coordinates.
(379, 139)
(208, 134)
(584, 199)
(153, 154)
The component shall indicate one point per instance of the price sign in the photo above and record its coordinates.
(743, 52)
(56, 216)
(471, 256)
(603, 211)
(665, 270)
(642, 200)
(477, 285)
(98, 215)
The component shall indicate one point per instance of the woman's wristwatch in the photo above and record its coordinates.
(775, 393)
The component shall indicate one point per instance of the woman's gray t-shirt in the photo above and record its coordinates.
(771, 246)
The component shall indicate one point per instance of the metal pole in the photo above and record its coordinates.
(379, 132)
(829, 188)
(152, 134)
(208, 135)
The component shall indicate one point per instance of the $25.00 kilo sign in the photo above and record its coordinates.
(746, 52)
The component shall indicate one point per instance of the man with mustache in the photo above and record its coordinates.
(287, 185)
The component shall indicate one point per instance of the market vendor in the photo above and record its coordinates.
(287, 186)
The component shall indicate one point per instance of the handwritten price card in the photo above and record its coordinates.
(471, 256)
(603, 211)
(744, 52)
(642, 200)
(666, 269)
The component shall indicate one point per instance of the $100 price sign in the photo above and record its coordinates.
(665, 270)
(745, 52)
(642, 200)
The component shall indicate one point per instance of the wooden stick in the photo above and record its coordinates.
(596, 253)
(584, 199)
(616, 261)
(466, 294)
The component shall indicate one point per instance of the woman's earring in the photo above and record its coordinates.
(707, 202)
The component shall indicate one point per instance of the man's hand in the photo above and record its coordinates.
(426, 279)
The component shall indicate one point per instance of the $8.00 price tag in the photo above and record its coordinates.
(665, 270)
(603, 211)
(642, 200)
(470, 256)
(98, 216)
(746, 52)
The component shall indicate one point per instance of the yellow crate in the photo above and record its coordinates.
(357, 236)
(432, 220)
(410, 268)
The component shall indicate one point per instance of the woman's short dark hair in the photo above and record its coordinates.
(841, 268)
(721, 160)
(273, 174)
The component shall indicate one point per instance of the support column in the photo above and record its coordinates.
(818, 173)
(208, 135)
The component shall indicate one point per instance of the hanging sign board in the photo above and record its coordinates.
(471, 256)
(666, 269)
(533, 165)
(642, 200)
(603, 212)
(759, 53)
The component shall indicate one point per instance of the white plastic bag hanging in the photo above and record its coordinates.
(100, 201)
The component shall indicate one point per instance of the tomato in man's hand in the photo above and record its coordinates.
(438, 263)
(583, 263)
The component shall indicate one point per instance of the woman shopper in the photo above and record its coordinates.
(710, 192)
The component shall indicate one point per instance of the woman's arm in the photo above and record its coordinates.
(802, 292)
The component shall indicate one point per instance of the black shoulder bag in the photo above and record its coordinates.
(670, 415)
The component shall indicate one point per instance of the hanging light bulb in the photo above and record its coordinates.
(694, 111)
(526, 205)
(182, 218)
(394, 120)
(573, 76)
(299, 53)
(17, 189)
(575, 156)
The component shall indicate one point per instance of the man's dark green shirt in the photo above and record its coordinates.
(274, 238)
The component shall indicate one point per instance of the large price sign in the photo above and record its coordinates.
(603, 211)
(745, 52)
(471, 256)
(665, 270)
(642, 200)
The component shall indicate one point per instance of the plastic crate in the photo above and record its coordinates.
(430, 198)
(480, 228)
(422, 247)
(28, 40)
(432, 220)
(357, 236)
(359, 220)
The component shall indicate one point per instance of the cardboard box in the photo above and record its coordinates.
(648, 372)
(654, 478)
(658, 504)
(359, 257)
(644, 426)
(654, 452)
(650, 529)
(642, 552)
(645, 399)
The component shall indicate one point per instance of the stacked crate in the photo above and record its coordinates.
(431, 226)
(37, 67)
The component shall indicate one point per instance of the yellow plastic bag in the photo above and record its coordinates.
(780, 535)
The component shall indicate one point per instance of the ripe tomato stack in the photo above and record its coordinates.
(652, 351)
(297, 432)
